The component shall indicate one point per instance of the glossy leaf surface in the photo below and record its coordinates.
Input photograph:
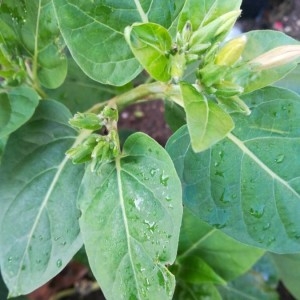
(203, 253)
(131, 216)
(36, 27)
(206, 121)
(248, 184)
(39, 230)
(259, 42)
(95, 34)
(150, 44)
(17, 105)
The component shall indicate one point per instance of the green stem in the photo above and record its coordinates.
(143, 92)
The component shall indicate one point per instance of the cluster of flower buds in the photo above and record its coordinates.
(96, 148)
(192, 43)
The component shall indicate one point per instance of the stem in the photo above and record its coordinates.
(143, 92)
(143, 16)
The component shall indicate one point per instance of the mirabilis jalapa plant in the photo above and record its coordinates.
(183, 222)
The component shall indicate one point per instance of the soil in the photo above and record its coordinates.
(148, 117)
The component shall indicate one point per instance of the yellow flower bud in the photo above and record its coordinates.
(231, 52)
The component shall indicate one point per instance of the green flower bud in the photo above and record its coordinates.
(178, 63)
(215, 29)
(110, 113)
(234, 104)
(231, 52)
(211, 74)
(80, 154)
(88, 121)
(227, 89)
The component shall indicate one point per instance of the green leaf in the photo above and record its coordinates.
(291, 81)
(174, 115)
(186, 291)
(17, 105)
(150, 44)
(203, 253)
(131, 216)
(3, 141)
(259, 42)
(200, 13)
(288, 269)
(39, 230)
(248, 184)
(259, 283)
(95, 34)
(206, 121)
(79, 92)
(35, 23)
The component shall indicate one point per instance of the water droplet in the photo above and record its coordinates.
(164, 179)
(267, 226)
(271, 240)
(10, 259)
(41, 237)
(151, 225)
(153, 171)
(257, 212)
(23, 268)
(168, 199)
(138, 203)
(59, 263)
(279, 159)
(219, 225)
(38, 261)
(64, 243)
(221, 154)
(57, 238)
(234, 196)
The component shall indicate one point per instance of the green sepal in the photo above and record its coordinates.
(227, 89)
(234, 104)
(211, 74)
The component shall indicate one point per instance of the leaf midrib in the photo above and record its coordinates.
(250, 154)
(122, 204)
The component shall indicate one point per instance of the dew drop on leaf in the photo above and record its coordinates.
(279, 159)
(164, 179)
(257, 212)
(59, 263)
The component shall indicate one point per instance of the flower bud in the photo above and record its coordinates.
(88, 121)
(276, 57)
(231, 52)
(80, 154)
(211, 74)
(228, 89)
(213, 30)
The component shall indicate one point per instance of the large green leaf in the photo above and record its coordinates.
(17, 105)
(291, 81)
(39, 230)
(131, 216)
(35, 23)
(203, 253)
(248, 184)
(289, 271)
(94, 33)
(259, 42)
(206, 121)
(150, 44)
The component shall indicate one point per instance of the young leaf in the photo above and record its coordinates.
(248, 184)
(258, 43)
(206, 121)
(200, 13)
(210, 247)
(94, 34)
(131, 216)
(39, 230)
(150, 44)
(17, 105)
(288, 268)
